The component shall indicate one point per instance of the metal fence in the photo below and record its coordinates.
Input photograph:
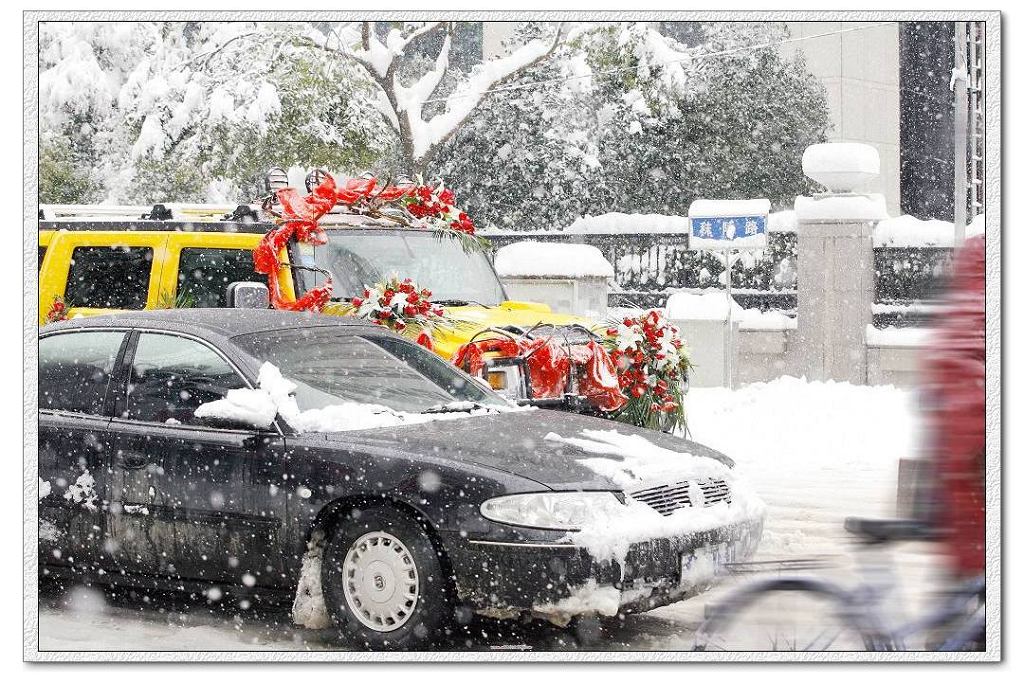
(649, 265)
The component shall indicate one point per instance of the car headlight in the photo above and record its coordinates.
(563, 511)
(507, 380)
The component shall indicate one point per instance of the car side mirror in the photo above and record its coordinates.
(248, 295)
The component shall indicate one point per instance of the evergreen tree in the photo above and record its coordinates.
(628, 119)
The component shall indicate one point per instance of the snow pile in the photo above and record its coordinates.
(632, 462)
(905, 309)
(908, 231)
(259, 407)
(83, 491)
(782, 221)
(309, 608)
(539, 259)
(909, 337)
(817, 452)
(249, 406)
(710, 305)
(841, 166)
(769, 321)
(616, 223)
(586, 599)
(44, 488)
(713, 305)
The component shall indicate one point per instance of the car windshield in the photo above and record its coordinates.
(361, 258)
(331, 368)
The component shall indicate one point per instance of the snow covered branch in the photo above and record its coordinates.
(403, 105)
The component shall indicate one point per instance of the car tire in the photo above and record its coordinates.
(384, 583)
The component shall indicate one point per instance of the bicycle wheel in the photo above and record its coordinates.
(787, 615)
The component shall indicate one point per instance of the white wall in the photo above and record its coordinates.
(861, 74)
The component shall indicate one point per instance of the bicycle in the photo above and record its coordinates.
(854, 618)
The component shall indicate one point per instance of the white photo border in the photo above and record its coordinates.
(993, 444)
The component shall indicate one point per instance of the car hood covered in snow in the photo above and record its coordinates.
(552, 448)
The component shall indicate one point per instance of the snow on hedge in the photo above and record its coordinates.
(902, 231)
(545, 259)
(911, 337)
(615, 223)
(908, 231)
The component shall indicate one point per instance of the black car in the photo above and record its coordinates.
(411, 493)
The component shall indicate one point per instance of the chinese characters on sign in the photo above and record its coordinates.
(728, 232)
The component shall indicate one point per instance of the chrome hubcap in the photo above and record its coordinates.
(381, 581)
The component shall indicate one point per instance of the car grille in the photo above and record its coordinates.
(668, 498)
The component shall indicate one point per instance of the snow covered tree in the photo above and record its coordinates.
(404, 97)
(193, 111)
(623, 115)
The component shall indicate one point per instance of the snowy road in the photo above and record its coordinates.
(816, 452)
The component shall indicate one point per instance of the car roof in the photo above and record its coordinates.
(226, 322)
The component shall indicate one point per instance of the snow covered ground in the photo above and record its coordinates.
(816, 452)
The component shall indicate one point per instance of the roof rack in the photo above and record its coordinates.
(190, 217)
(155, 212)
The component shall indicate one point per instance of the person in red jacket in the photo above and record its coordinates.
(954, 373)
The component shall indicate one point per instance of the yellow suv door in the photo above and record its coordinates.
(99, 271)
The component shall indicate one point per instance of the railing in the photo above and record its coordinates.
(649, 265)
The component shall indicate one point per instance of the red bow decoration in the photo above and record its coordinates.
(299, 216)
(548, 364)
(599, 381)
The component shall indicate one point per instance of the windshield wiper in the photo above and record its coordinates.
(454, 407)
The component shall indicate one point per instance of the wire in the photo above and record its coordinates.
(720, 53)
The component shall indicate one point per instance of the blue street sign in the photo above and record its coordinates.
(728, 232)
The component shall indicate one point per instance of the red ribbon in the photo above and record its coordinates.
(549, 365)
(299, 215)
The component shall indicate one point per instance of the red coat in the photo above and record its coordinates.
(955, 375)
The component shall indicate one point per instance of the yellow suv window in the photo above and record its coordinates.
(204, 275)
(109, 277)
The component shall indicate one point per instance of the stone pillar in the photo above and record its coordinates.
(835, 265)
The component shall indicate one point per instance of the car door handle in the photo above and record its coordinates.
(133, 461)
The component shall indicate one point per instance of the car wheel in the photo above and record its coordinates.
(383, 582)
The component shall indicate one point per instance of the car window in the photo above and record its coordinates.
(359, 259)
(109, 277)
(171, 376)
(42, 255)
(329, 368)
(204, 275)
(75, 368)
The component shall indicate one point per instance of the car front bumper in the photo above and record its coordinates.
(557, 581)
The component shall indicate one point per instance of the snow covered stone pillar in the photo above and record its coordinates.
(569, 278)
(835, 268)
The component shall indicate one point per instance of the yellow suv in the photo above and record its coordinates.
(104, 259)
